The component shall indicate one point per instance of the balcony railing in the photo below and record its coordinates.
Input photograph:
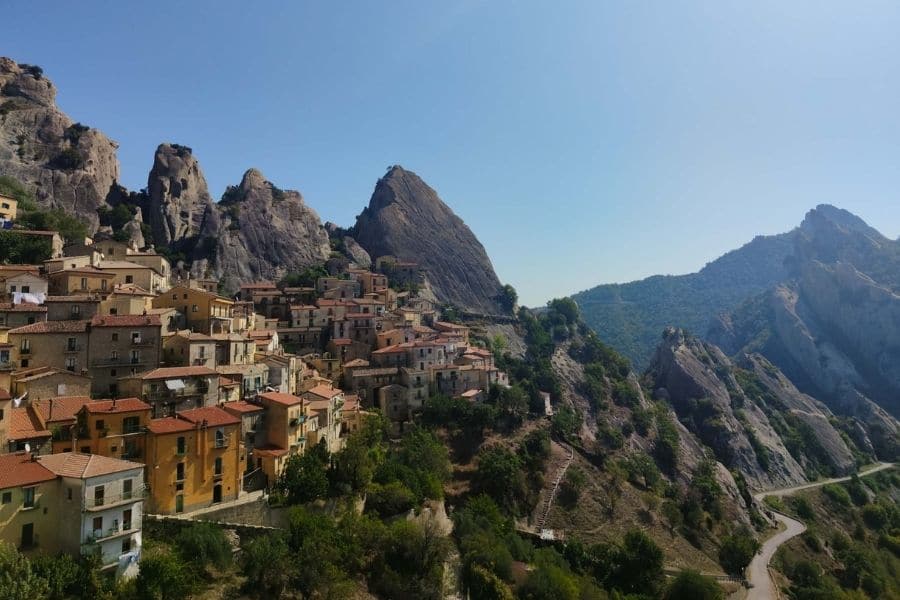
(118, 360)
(8, 365)
(143, 342)
(100, 535)
(108, 500)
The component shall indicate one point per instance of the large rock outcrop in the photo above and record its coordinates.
(178, 200)
(752, 417)
(259, 231)
(833, 327)
(406, 219)
(68, 166)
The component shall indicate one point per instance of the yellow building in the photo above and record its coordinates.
(130, 273)
(27, 500)
(285, 432)
(127, 299)
(195, 458)
(204, 311)
(8, 208)
(112, 428)
(82, 280)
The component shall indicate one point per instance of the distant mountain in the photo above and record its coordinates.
(631, 316)
(406, 219)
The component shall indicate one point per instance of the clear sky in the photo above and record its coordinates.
(583, 142)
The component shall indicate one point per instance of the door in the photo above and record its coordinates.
(179, 503)
(28, 535)
(217, 494)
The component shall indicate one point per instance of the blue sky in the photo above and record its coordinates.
(583, 142)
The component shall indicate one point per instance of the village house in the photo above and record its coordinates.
(38, 383)
(131, 273)
(205, 312)
(25, 432)
(186, 348)
(127, 299)
(325, 402)
(121, 345)
(286, 419)
(197, 460)
(57, 344)
(25, 283)
(8, 208)
(113, 428)
(26, 489)
(253, 425)
(173, 389)
(83, 280)
(17, 315)
(72, 308)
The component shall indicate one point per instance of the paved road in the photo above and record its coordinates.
(762, 586)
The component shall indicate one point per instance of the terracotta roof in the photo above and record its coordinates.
(23, 307)
(351, 404)
(166, 425)
(172, 372)
(121, 264)
(17, 470)
(72, 298)
(269, 451)
(262, 285)
(395, 349)
(192, 336)
(225, 382)
(83, 466)
(24, 425)
(116, 406)
(356, 362)
(131, 289)
(53, 327)
(41, 372)
(282, 398)
(125, 321)
(60, 409)
(377, 371)
(325, 391)
(241, 407)
(84, 271)
(213, 415)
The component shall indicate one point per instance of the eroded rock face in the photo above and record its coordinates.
(406, 219)
(178, 200)
(259, 231)
(68, 166)
(711, 398)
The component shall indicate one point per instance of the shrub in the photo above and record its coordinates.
(389, 499)
(204, 545)
(837, 493)
(691, 585)
(737, 550)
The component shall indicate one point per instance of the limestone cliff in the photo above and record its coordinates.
(259, 231)
(406, 219)
(178, 201)
(68, 166)
(752, 417)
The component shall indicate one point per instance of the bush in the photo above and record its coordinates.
(204, 545)
(837, 493)
(691, 585)
(571, 487)
(68, 159)
(737, 550)
(389, 499)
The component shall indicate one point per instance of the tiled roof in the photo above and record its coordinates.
(60, 409)
(377, 371)
(269, 451)
(351, 404)
(325, 391)
(125, 321)
(213, 415)
(131, 289)
(281, 398)
(342, 341)
(83, 466)
(72, 298)
(171, 372)
(83, 271)
(24, 425)
(356, 362)
(395, 349)
(225, 382)
(41, 372)
(53, 327)
(17, 470)
(120, 264)
(120, 405)
(23, 307)
(241, 407)
(169, 425)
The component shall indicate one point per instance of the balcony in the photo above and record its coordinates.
(25, 351)
(101, 535)
(143, 342)
(69, 348)
(135, 495)
(8, 365)
(112, 361)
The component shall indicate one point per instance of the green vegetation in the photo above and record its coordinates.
(31, 217)
(306, 278)
(737, 550)
(507, 298)
(691, 585)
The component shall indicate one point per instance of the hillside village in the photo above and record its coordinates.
(127, 388)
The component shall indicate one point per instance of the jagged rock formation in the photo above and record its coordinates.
(744, 415)
(834, 326)
(68, 166)
(406, 219)
(259, 231)
(178, 200)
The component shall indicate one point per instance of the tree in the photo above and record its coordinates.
(204, 545)
(737, 551)
(304, 478)
(507, 298)
(62, 574)
(353, 466)
(500, 476)
(571, 487)
(18, 579)
(163, 576)
(640, 564)
(691, 585)
(267, 565)
(551, 579)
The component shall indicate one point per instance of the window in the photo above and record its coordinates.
(218, 466)
(70, 363)
(179, 503)
(115, 337)
(84, 283)
(220, 438)
(85, 449)
(99, 495)
(103, 284)
(179, 472)
(126, 494)
(135, 337)
(7, 497)
(100, 424)
(113, 372)
(126, 545)
(131, 424)
(25, 346)
(194, 308)
(113, 388)
(26, 289)
(29, 497)
(75, 311)
(70, 344)
(135, 357)
(129, 279)
(97, 526)
(12, 288)
(180, 445)
(68, 493)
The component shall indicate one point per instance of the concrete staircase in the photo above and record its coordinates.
(548, 502)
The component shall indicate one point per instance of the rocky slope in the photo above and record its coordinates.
(708, 393)
(406, 219)
(69, 166)
(832, 327)
(259, 231)
(178, 201)
(630, 316)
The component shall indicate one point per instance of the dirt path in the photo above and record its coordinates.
(762, 587)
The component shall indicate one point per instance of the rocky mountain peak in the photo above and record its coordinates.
(178, 197)
(828, 218)
(26, 81)
(407, 219)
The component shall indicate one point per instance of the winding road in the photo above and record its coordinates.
(761, 585)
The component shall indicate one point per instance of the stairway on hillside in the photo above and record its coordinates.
(548, 502)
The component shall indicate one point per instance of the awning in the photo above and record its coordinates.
(175, 384)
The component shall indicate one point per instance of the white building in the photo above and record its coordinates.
(105, 497)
